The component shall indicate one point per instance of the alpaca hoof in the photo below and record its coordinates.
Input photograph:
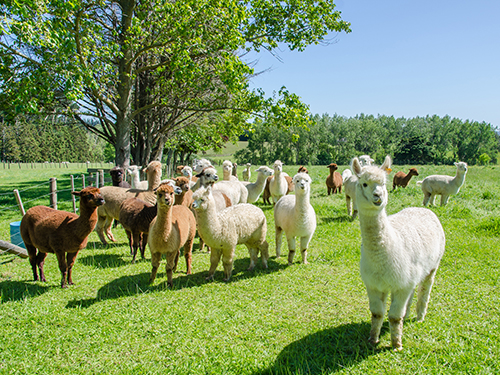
(397, 348)
(188, 272)
(209, 278)
(373, 342)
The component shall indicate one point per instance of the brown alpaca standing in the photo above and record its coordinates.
(334, 180)
(60, 232)
(402, 179)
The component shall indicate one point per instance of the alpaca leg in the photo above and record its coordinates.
(32, 255)
(227, 262)
(188, 255)
(254, 256)
(424, 292)
(176, 260)
(329, 189)
(143, 243)
(432, 199)
(396, 315)
(172, 259)
(279, 237)
(99, 228)
(340, 189)
(304, 244)
(427, 196)
(444, 199)
(130, 241)
(348, 204)
(215, 256)
(377, 307)
(291, 249)
(70, 260)
(40, 261)
(107, 228)
(155, 262)
(264, 253)
(408, 305)
(63, 267)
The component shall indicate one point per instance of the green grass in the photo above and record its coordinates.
(299, 319)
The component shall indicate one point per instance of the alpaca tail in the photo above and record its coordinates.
(419, 182)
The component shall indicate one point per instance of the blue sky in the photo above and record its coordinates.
(402, 58)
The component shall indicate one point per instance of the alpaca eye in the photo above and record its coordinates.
(365, 184)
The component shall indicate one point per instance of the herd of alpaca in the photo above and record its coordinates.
(400, 253)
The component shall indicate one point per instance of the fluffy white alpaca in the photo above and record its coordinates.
(398, 252)
(443, 185)
(294, 215)
(278, 186)
(247, 173)
(187, 171)
(365, 160)
(135, 178)
(201, 164)
(227, 171)
(255, 189)
(223, 230)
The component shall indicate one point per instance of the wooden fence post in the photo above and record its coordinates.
(73, 198)
(101, 172)
(53, 193)
(97, 179)
(19, 201)
(83, 181)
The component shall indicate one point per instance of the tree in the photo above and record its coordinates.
(147, 69)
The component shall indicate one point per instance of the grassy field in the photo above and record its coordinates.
(299, 319)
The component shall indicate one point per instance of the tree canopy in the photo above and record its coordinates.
(140, 73)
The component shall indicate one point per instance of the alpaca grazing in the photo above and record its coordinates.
(294, 215)
(222, 230)
(117, 174)
(136, 216)
(172, 228)
(334, 180)
(59, 232)
(398, 252)
(402, 179)
(443, 185)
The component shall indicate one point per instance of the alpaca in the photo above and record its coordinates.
(188, 172)
(303, 169)
(172, 228)
(59, 232)
(223, 230)
(398, 252)
(185, 198)
(247, 173)
(267, 194)
(235, 170)
(402, 179)
(135, 178)
(117, 174)
(136, 216)
(443, 185)
(365, 160)
(200, 165)
(294, 215)
(255, 189)
(227, 171)
(334, 180)
(278, 185)
(114, 197)
(350, 183)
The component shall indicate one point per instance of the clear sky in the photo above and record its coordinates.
(403, 58)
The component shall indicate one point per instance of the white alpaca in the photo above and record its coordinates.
(223, 230)
(443, 185)
(346, 174)
(135, 178)
(227, 171)
(187, 171)
(247, 173)
(255, 189)
(365, 160)
(278, 186)
(294, 215)
(235, 190)
(398, 252)
(201, 164)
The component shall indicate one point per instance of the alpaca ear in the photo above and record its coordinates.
(356, 167)
(386, 166)
(77, 193)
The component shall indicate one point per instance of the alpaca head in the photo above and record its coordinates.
(178, 170)
(153, 167)
(266, 171)
(201, 164)
(134, 170)
(365, 160)
(302, 169)
(461, 167)
(187, 171)
(90, 196)
(182, 182)
(165, 195)
(201, 198)
(371, 191)
(278, 166)
(413, 172)
(227, 166)
(116, 175)
(302, 183)
(208, 176)
(333, 167)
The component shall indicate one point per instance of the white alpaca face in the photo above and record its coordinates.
(187, 171)
(208, 176)
(265, 170)
(461, 166)
(371, 192)
(302, 182)
(278, 166)
(201, 198)
(199, 165)
(133, 170)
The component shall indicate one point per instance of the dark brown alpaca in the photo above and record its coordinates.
(117, 175)
(334, 180)
(402, 179)
(60, 232)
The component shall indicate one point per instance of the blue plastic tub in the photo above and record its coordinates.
(15, 234)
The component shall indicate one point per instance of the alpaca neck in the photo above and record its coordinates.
(407, 178)
(135, 180)
(301, 200)
(154, 180)
(208, 219)
(226, 175)
(86, 222)
(164, 220)
(180, 198)
(261, 179)
(375, 229)
(459, 178)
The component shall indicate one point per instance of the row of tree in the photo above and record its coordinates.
(420, 140)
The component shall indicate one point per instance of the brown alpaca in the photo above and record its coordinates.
(117, 175)
(303, 169)
(136, 216)
(334, 180)
(172, 228)
(115, 196)
(59, 232)
(178, 170)
(186, 197)
(402, 179)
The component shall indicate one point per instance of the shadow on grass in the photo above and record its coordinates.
(19, 290)
(105, 260)
(126, 286)
(327, 351)
(338, 219)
